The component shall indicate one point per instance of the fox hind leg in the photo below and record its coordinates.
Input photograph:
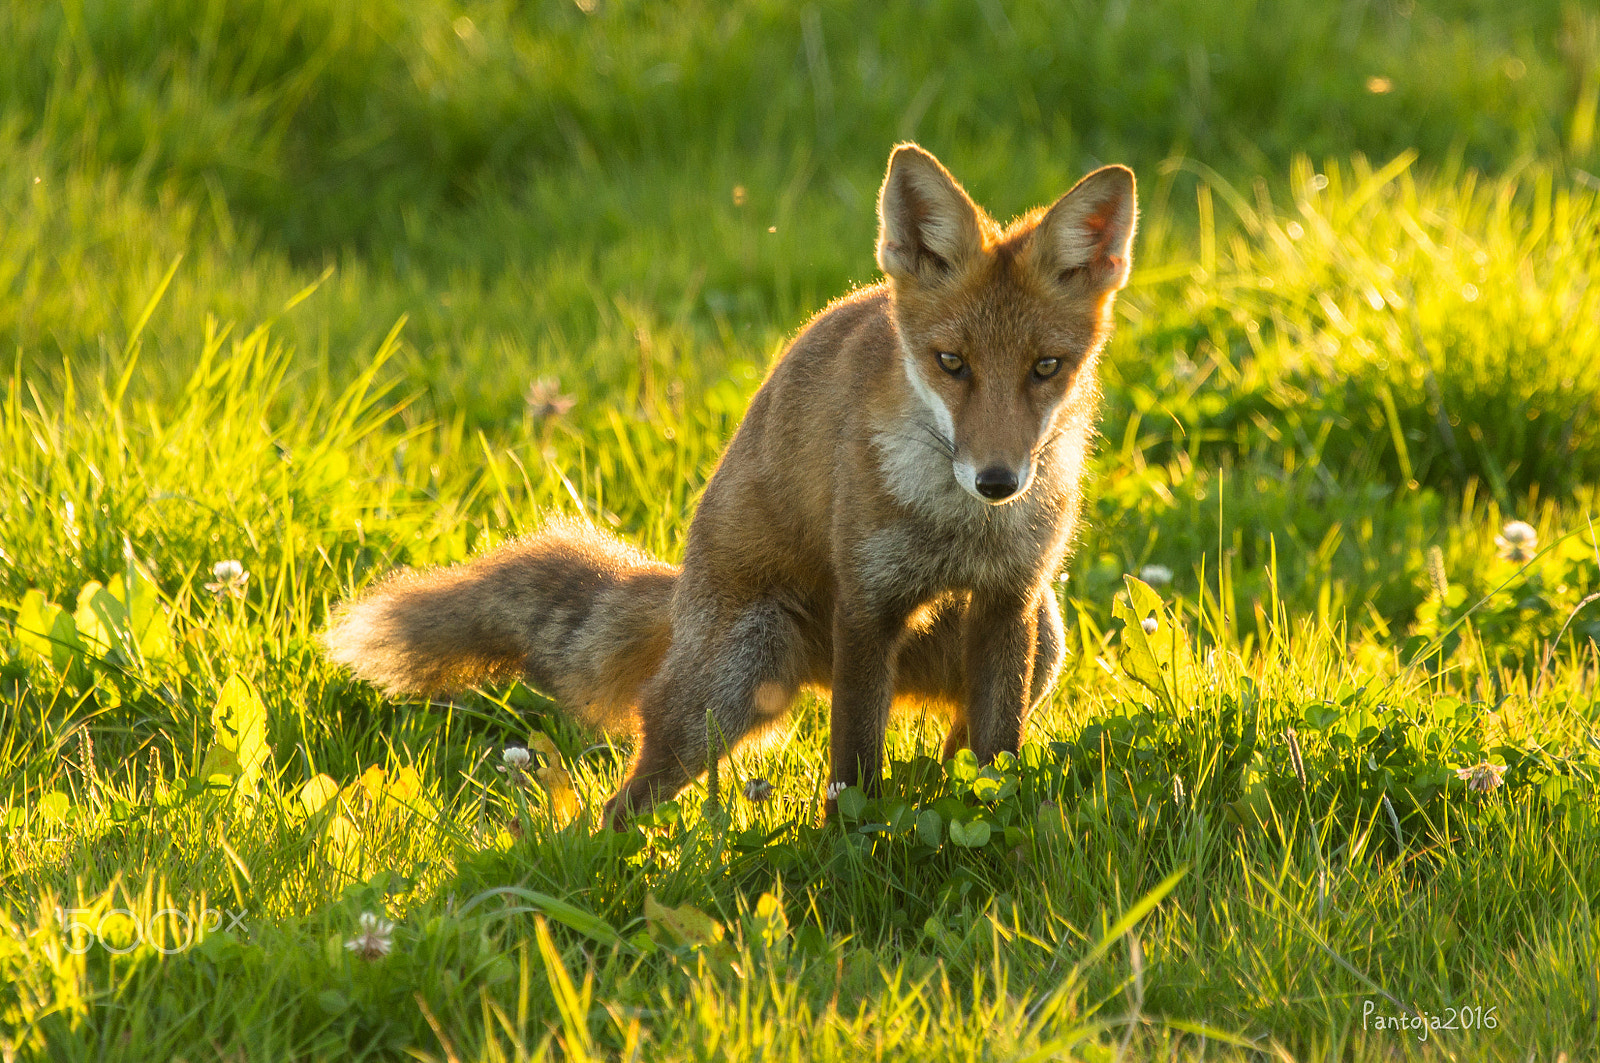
(720, 680)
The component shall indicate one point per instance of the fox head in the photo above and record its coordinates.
(999, 328)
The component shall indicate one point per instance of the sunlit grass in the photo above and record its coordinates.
(280, 277)
(1291, 913)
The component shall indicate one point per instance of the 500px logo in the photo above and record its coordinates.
(82, 936)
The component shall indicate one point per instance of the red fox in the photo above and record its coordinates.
(886, 523)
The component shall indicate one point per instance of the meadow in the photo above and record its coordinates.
(298, 291)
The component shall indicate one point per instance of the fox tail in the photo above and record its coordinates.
(578, 614)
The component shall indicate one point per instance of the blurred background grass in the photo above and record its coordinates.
(641, 202)
(310, 284)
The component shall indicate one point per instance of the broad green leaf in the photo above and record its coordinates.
(66, 644)
(1151, 657)
(930, 828)
(852, 802)
(1321, 716)
(125, 618)
(974, 835)
(54, 807)
(405, 785)
(992, 785)
(963, 767)
(769, 924)
(148, 620)
(368, 788)
(343, 835)
(1555, 788)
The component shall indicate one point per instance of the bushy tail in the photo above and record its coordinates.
(581, 616)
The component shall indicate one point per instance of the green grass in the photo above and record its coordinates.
(278, 278)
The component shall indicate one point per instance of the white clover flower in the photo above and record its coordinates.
(1150, 624)
(1156, 575)
(757, 790)
(515, 765)
(835, 789)
(1482, 777)
(375, 939)
(231, 579)
(1517, 541)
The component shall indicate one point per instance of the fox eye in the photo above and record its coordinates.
(1046, 367)
(953, 364)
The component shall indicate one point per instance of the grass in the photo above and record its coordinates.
(279, 277)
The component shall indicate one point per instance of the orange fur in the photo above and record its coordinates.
(886, 523)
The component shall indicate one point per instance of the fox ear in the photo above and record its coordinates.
(1089, 231)
(927, 226)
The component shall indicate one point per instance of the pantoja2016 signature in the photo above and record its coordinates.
(1469, 1017)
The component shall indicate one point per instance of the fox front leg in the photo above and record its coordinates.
(1002, 638)
(865, 636)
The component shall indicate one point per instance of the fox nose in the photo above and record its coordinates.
(996, 483)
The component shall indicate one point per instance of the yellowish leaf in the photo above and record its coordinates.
(317, 792)
(541, 744)
(406, 784)
(239, 749)
(557, 783)
(372, 784)
(98, 617)
(687, 925)
(149, 625)
(342, 831)
(221, 764)
(45, 630)
(405, 791)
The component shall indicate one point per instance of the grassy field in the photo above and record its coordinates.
(307, 285)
